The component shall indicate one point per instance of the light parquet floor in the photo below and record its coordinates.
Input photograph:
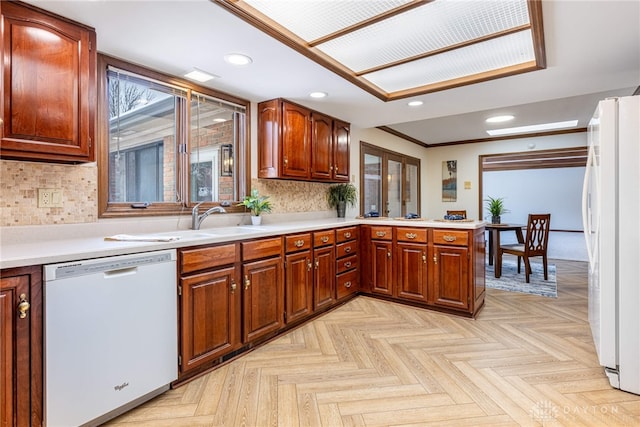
(526, 360)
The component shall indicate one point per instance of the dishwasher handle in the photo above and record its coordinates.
(112, 274)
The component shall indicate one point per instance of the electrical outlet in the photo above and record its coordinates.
(50, 198)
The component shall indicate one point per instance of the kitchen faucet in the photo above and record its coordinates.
(196, 219)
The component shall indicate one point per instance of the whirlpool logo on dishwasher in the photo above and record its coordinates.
(121, 386)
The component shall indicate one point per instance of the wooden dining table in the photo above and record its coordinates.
(494, 242)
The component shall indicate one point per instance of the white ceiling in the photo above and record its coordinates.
(592, 48)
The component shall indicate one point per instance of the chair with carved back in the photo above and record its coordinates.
(535, 244)
(463, 213)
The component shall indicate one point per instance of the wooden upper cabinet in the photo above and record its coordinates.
(322, 147)
(341, 150)
(49, 80)
(297, 143)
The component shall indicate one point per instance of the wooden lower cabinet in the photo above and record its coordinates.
(209, 316)
(381, 267)
(412, 271)
(263, 298)
(450, 281)
(298, 286)
(324, 277)
(21, 368)
(209, 305)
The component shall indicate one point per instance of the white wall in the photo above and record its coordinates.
(468, 169)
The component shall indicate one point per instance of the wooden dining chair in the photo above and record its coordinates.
(535, 244)
(462, 212)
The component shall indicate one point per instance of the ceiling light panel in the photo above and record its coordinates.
(313, 19)
(434, 26)
(475, 59)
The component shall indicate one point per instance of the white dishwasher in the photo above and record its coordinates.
(110, 335)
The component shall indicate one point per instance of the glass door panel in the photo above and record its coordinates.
(372, 198)
(394, 188)
(411, 196)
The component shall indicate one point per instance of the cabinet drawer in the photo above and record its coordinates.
(406, 234)
(347, 283)
(346, 233)
(324, 238)
(261, 248)
(450, 237)
(348, 248)
(297, 242)
(210, 257)
(346, 264)
(381, 233)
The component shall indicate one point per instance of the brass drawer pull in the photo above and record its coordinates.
(448, 238)
(233, 286)
(424, 258)
(347, 284)
(299, 243)
(435, 259)
(347, 235)
(347, 249)
(324, 239)
(347, 264)
(411, 235)
(247, 282)
(381, 233)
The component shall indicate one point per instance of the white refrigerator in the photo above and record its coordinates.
(611, 219)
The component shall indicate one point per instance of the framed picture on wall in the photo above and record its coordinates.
(449, 180)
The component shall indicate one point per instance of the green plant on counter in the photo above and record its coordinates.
(255, 203)
(346, 193)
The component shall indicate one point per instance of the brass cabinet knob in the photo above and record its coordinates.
(247, 282)
(347, 284)
(347, 249)
(435, 259)
(23, 307)
(347, 235)
(424, 258)
(324, 239)
(233, 286)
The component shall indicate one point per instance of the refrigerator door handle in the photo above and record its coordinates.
(586, 225)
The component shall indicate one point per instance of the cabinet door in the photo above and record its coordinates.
(296, 141)
(451, 277)
(381, 267)
(324, 277)
(263, 298)
(321, 147)
(50, 87)
(341, 144)
(298, 286)
(21, 347)
(209, 316)
(412, 271)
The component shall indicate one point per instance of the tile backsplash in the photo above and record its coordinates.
(19, 183)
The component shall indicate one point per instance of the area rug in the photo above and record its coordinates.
(511, 281)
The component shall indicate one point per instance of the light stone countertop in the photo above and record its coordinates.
(15, 253)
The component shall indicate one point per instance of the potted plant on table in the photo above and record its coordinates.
(339, 195)
(257, 205)
(496, 208)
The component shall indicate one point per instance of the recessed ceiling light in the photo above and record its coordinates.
(318, 94)
(499, 119)
(237, 59)
(534, 128)
(200, 76)
(415, 103)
